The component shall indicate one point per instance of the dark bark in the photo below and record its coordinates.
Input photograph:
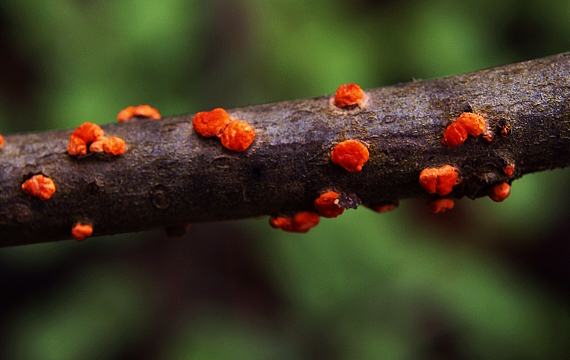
(169, 175)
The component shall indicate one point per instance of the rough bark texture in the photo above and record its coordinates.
(169, 175)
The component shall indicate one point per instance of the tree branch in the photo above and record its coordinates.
(169, 175)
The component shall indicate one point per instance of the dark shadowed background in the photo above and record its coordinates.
(484, 281)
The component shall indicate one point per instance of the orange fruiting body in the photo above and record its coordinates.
(439, 180)
(126, 114)
(114, 146)
(500, 192)
(211, 123)
(97, 146)
(327, 205)
(89, 132)
(304, 221)
(147, 111)
(300, 223)
(466, 124)
(39, 186)
(440, 205)
(140, 110)
(83, 136)
(237, 136)
(509, 169)
(81, 231)
(383, 207)
(1, 141)
(473, 123)
(349, 95)
(279, 222)
(454, 135)
(76, 146)
(351, 155)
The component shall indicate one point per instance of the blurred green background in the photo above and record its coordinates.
(484, 281)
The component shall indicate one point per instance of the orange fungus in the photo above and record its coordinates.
(211, 123)
(439, 180)
(500, 192)
(304, 221)
(97, 146)
(91, 136)
(1, 141)
(301, 222)
(83, 136)
(89, 132)
(81, 231)
(237, 136)
(509, 169)
(114, 146)
(384, 206)
(76, 146)
(327, 205)
(126, 114)
(39, 186)
(140, 110)
(147, 111)
(351, 155)
(349, 95)
(280, 222)
(440, 205)
(466, 124)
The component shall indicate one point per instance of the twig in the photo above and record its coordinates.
(169, 175)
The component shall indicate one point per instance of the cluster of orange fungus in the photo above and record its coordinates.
(142, 110)
(440, 205)
(351, 155)
(466, 124)
(348, 96)
(500, 192)
(439, 180)
(328, 204)
(300, 223)
(1, 141)
(237, 136)
(39, 186)
(81, 231)
(509, 169)
(211, 123)
(91, 136)
(383, 207)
